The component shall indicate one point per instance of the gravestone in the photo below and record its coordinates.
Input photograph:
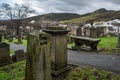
(101, 31)
(20, 55)
(11, 38)
(38, 59)
(93, 33)
(59, 49)
(79, 32)
(0, 38)
(4, 54)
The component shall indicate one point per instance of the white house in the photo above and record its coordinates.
(111, 26)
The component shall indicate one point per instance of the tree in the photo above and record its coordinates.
(16, 14)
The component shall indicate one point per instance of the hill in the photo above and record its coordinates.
(55, 16)
(98, 15)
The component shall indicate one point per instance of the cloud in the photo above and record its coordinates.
(71, 6)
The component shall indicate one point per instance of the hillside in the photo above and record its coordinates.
(55, 16)
(98, 15)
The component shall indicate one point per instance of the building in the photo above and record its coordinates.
(105, 27)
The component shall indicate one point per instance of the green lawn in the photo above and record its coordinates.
(15, 40)
(14, 71)
(108, 42)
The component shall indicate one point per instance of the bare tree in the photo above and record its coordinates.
(16, 14)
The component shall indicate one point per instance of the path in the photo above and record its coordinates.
(107, 62)
(17, 47)
(94, 59)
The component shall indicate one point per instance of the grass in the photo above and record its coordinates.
(15, 40)
(70, 45)
(81, 19)
(11, 51)
(108, 42)
(105, 43)
(88, 73)
(16, 71)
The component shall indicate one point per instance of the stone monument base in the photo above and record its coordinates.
(56, 73)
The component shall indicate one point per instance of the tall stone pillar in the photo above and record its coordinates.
(38, 61)
(59, 49)
(0, 38)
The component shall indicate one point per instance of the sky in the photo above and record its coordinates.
(66, 6)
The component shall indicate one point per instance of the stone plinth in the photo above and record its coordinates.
(0, 38)
(38, 59)
(59, 48)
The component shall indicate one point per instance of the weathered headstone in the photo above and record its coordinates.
(59, 48)
(79, 32)
(101, 31)
(20, 55)
(4, 54)
(10, 38)
(93, 33)
(38, 59)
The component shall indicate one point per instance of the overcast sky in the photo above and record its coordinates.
(67, 6)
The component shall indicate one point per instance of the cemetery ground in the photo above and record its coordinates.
(16, 71)
(106, 45)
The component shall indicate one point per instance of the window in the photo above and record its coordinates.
(110, 28)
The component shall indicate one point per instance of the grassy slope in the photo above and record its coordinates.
(80, 20)
(99, 16)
